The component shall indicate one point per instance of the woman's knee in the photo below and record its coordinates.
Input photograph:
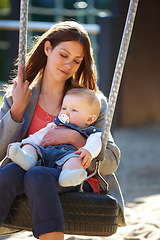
(11, 173)
(11, 177)
(39, 176)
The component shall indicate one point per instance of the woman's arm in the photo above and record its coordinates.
(63, 135)
(9, 129)
(14, 104)
(20, 95)
(37, 137)
(112, 154)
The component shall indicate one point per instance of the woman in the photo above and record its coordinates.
(60, 59)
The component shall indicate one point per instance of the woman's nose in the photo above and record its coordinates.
(68, 64)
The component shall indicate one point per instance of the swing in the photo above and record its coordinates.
(84, 213)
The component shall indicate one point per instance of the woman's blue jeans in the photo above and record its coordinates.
(40, 184)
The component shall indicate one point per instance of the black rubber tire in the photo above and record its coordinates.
(87, 214)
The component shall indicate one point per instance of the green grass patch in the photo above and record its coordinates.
(1, 99)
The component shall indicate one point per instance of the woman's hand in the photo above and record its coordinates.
(63, 135)
(21, 95)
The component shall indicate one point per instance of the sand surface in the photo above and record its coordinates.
(139, 177)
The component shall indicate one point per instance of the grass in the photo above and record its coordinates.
(1, 99)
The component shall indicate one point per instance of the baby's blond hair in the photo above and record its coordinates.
(91, 97)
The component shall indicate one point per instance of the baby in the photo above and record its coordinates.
(80, 109)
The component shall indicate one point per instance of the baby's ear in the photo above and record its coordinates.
(91, 119)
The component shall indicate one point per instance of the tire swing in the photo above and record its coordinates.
(87, 214)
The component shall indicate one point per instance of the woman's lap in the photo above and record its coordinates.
(41, 187)
(11, 185)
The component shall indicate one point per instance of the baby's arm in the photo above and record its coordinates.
(94, 144)
(91, 149)
(37, 136)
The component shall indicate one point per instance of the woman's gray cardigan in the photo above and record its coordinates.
(11, 131)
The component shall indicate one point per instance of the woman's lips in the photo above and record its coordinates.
(66, 73)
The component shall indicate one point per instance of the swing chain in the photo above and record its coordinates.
(96, 172)
(23, 34)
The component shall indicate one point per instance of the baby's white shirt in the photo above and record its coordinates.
(93, 143)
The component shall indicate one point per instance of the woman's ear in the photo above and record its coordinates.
(91, 119)
(47, 47)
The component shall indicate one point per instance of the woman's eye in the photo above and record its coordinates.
(77, 62)
(65, 56)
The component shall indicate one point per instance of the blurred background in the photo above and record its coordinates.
(139, 98)
(136, 123)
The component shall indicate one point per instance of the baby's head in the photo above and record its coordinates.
(82, 105)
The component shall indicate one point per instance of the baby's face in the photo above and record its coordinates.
(77, 109)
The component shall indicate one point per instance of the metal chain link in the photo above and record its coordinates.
(118, 74)
(23, 34)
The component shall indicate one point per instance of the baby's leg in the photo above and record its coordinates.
(72, 173)
(26, 157)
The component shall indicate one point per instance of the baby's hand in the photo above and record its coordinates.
(86, 157)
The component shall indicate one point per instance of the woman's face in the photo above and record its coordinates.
(64, 60)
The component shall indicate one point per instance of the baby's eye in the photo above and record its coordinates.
(74, 110)
(63, 108)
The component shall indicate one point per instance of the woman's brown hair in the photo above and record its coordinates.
(61, 32)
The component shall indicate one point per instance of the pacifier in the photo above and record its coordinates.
(64, 118)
